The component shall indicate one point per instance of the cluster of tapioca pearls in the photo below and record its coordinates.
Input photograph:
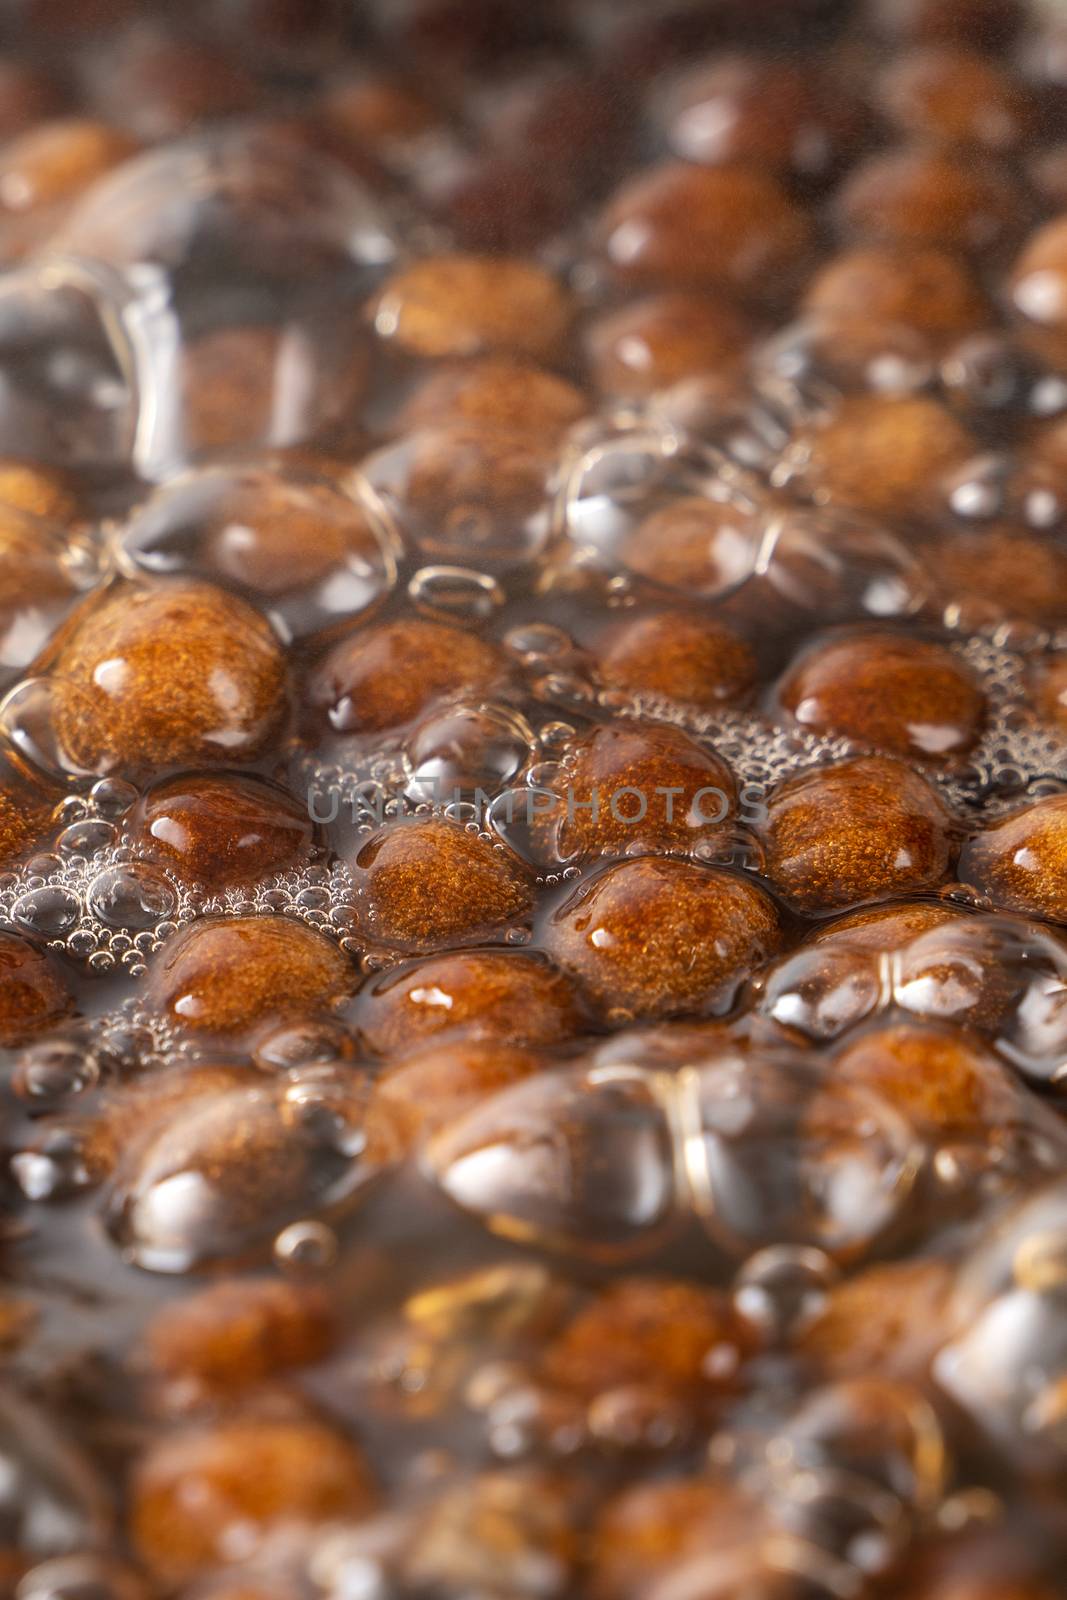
(568, 1381)
(878, 419)
(863, 829)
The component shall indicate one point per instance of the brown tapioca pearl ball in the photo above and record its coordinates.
(991, 1556)
(1047, 174)
(33, 992)
(648, 1529)
(267, 384)
(177, 675)
(57, 160)
(463, 35)
(27, 96)
(657, 341)
(655, 938)
(888, 1320)
(1048, 446)
(955, 96)
(104, 1131)
(221, 829)
(383, 677)
(985, 24)
(664, 1046)
(998, 574)
(161, 85)
(219, 1178)
(919, 195)
(35, 586)
(220, 975)
(700, 545)
(234, 1335)
(855, 831)
(943, 1082)
(501, 204)
(425, 1091)
(288, 34)
(1020, 862)
(431, 882)
(573, 124)
(665, 1331)
(910, 286)
(878, 455)
(1050, 690)
(686, 227)
(886, 927)
(470, 305)
(44, 492)
(635, 788)
(205, 1497)
(679, 655)
(1037, 288)
(507, 394)
(772, 114)
(899, 693)
(494, 1531)
(508, 996)
(386, 114)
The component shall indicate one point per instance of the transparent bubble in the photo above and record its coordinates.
(249, 255)
(839, 566)
(1007, 979)
(821, 992)
(576, 1160)
(1003, 487)
(229, 1170)
(854, 1468)
(39, 583)
(782, 1152)
(466, 751)
(806, 366)
(539, 643)
(883, 1432)
(113, 796)
(50, 911)
(306, 1248)
(455, 593)
(69, 384)
(29, 717)
(744, 426)
(1006, 1364)
(991, 374)
(312, 1042)
(293, 541)
(783, 1287)
(56, 1069)
(473, 496)
(86, 837)
(51, 1501)
(677, 515)
(134, 897)
(80, 1577)
(495, 1533)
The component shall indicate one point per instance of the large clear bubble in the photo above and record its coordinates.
(249, 257)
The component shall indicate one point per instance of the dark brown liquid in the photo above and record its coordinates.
(533, 837)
